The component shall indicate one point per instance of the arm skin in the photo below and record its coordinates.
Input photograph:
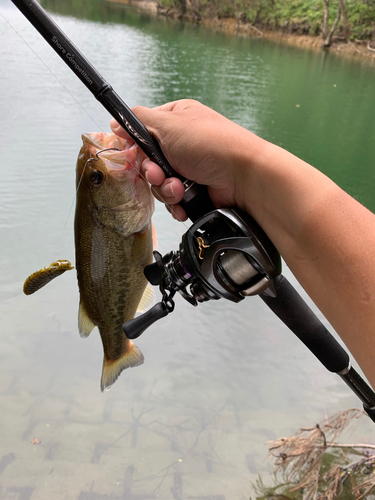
(325, 236)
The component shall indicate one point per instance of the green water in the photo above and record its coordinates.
(258, 84)
(219, 380)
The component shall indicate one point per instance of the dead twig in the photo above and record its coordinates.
(255, 29)
(339, 445)
(300, 456)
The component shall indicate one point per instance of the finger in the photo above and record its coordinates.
(169, 106)
(137, 110)
(177, 212)
(152, 172)
(151, 116)
(166, 192)
(171, 191)
(118, 130)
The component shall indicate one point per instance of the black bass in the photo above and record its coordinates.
(113, 240)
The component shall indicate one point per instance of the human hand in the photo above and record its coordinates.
(310, 220)
(201, 145)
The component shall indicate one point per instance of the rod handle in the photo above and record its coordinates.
(289, 306)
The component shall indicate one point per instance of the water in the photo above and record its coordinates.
(219, 380)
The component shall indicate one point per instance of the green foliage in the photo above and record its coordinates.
(279, 491)
(299, 16)
(361, 15)
(349, 478)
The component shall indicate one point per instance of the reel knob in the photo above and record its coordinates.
(135, 327)
(153, 273)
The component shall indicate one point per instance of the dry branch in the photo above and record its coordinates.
(299, 458)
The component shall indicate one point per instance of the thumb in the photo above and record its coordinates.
(156, 120)
(150, 117)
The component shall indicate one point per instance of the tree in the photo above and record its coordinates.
(327, 33)
(345, 22)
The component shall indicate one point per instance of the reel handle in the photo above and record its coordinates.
(135, 327)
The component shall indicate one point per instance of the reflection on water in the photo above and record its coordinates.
(219, 380)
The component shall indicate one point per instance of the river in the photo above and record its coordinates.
(218, 381)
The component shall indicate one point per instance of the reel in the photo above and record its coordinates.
(225, 254)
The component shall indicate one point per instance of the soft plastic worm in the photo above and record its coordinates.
(40, 278)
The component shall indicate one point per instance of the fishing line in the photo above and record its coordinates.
(88, 114)
(11, 298)
(79, 183)
(153, 190)
(71, 205)
(52, 73)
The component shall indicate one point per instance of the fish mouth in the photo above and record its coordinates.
(121, 159)
(102, 140)
(119, 154)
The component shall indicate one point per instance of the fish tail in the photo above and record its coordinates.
(113, 367)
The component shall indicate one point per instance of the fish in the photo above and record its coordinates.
(40, 278)
(113, 242)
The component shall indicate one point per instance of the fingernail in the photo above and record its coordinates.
(114, 124)
(168, 190)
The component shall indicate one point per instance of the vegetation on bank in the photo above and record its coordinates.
(346, 20)
(313, 465)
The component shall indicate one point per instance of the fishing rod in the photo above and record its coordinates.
(196, 201)
(224, 254)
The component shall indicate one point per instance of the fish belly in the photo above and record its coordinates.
(111, 283)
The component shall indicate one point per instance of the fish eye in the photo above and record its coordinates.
(96, 177)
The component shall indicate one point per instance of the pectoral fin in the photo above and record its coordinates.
(85, 325)
(112, 368)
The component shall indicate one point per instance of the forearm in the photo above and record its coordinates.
(325, 237)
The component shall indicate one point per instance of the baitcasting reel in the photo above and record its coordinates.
(225, 254)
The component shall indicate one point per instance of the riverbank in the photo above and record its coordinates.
(359, 49)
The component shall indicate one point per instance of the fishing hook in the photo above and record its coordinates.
(102, 151)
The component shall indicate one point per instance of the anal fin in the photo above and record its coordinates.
(148, 299)
(85, 325)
